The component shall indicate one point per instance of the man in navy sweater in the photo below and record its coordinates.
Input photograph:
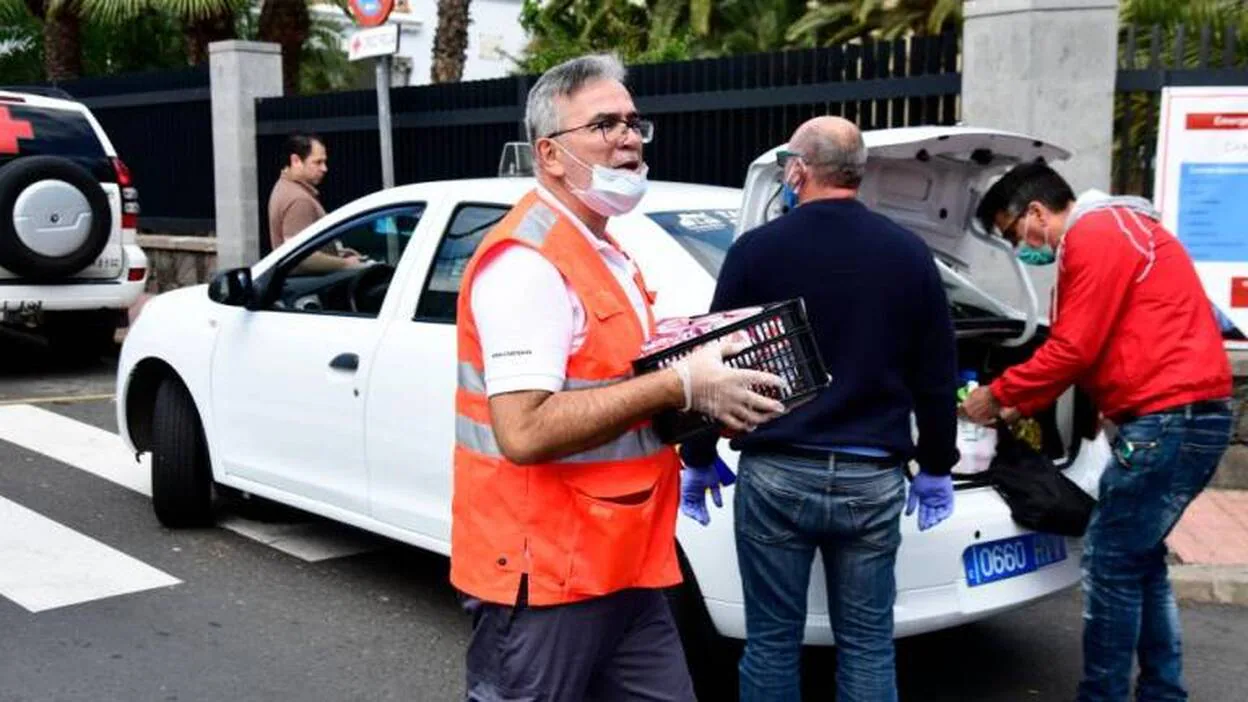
(829, 474)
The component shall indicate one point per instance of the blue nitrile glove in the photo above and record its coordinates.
(694, 482)
(933, 495)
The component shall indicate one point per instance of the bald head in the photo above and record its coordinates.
(832, 150)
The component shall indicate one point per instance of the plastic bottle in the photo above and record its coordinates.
(977, 444)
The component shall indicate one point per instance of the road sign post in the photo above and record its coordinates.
(383, 121)
(378, 41)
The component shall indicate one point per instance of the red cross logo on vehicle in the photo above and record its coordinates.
(11, 130)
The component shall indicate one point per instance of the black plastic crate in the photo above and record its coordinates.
(782, 343)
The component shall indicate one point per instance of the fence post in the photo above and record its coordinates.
(1045, 68)
(241, 71)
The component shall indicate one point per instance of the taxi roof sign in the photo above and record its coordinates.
(517, 160)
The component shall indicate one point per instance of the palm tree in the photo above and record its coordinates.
(61, 22)
(755, 26)
(288, 24)
(450, 41)
(838, 21)
(203, 21)
(206, 21)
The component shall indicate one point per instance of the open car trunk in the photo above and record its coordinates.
(1068, 423)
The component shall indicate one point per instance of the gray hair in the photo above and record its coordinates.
(839, 160)
(541, 115)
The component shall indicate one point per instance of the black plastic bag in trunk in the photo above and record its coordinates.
(1040, 497)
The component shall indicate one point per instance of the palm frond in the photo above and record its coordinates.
(113, 11)
(818, 19)
(700, 16)
(12, 12)
(200, 9)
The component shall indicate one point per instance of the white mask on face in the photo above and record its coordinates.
(611, 191)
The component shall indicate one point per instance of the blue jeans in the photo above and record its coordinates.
(1161, 462)
(786, 508)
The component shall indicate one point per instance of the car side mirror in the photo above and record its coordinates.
(233, 287)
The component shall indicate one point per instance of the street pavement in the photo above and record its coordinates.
(98, 602)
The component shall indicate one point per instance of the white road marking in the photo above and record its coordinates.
(48, 565)
(81, 445)
(103, 454)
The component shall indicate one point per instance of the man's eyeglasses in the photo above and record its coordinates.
(615, 129)
(1008, 232)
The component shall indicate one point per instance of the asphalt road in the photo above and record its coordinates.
(248, 621)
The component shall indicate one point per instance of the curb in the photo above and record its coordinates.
(1210, 584)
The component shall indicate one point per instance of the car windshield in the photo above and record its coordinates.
(705, 234)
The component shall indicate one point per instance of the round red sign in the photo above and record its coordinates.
(371, 13)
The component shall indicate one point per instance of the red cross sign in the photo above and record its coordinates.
(11, 130)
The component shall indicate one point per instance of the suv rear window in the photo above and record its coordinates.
(54, 133)
(705, 234)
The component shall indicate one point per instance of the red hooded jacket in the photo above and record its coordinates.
(1131, 323)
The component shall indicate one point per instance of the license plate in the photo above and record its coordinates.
(1008, 558)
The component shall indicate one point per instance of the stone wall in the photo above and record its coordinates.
(178, 261)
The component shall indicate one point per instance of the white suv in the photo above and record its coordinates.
(69, 262)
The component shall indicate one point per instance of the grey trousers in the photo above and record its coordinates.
(623, 646)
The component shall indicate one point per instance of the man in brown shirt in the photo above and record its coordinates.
(293, 204)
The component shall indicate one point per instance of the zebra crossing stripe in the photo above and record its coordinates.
(103, 454)
(48, 565)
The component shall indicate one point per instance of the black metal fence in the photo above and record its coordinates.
(1149, 59)
(160, 123)
(712, 117)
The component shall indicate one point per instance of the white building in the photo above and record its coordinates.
(495, 38)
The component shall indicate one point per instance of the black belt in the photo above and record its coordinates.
(1193, 409)
(825, 455)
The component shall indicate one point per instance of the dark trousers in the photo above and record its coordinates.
(623, 646)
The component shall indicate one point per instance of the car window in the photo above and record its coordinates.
(346, 269)
(468, 227)
(705, 234)
(53, 133)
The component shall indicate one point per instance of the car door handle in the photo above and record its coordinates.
(345, 361)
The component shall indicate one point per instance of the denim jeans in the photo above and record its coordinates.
(1160, 463)
(785, 509)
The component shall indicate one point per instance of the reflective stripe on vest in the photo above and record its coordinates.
(634, 444)
(536, 224)
(471, 381)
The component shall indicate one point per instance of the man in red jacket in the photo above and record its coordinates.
(1133, 327)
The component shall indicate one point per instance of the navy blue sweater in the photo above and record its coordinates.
(881, 319)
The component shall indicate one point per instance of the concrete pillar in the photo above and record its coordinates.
(1045, 68)
(241, 71)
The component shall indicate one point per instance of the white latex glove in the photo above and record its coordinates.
(724, 393)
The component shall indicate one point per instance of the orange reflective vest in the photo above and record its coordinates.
(563, 523)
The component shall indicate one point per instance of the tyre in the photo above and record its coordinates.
(54, 217)
(182, 487)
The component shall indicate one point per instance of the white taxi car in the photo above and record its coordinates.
(334, 393)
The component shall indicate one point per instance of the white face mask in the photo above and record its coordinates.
(611, 191)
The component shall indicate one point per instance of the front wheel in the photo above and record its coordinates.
(181, 473)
